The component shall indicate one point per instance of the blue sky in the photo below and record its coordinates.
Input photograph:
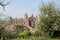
(17, 8)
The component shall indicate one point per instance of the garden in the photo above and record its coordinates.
(47, 28)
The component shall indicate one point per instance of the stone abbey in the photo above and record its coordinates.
(28, 23)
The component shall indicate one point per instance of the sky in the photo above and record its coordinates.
(17, 8)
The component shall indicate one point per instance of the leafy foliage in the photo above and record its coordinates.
(49, 19)
(19, 28)
(10, 35)
(24, 33)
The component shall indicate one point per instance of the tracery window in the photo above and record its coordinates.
(31, 23)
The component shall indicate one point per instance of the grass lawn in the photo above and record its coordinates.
(36, 38)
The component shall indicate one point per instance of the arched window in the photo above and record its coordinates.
(31, 23)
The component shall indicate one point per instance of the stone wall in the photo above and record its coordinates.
(26, 21)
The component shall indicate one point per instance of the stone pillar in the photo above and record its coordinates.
(26, 19)
(36, 22)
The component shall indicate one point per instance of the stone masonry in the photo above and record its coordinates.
(29, 23)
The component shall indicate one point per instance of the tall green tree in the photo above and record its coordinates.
(49, 17)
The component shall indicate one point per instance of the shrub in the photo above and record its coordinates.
(19, 28)
(37, 33)
(24, 33)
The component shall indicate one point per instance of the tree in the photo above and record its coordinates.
(2, 30)
(49, 18)
(3, 4)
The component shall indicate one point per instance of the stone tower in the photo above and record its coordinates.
(11, 20)
(36, 22)
(26, 19)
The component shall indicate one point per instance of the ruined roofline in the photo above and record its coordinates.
(26, 14)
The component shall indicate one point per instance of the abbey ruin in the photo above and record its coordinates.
(29, 23)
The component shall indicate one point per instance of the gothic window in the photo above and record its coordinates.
(31, 23)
